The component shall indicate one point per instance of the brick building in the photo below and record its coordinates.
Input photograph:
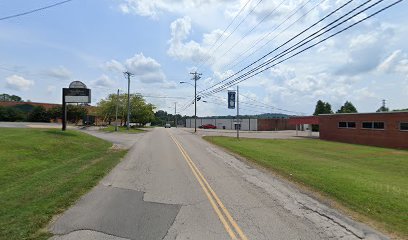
(28, 106)
(247, 124)
(385, 129)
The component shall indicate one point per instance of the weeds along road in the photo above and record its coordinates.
(174, 185)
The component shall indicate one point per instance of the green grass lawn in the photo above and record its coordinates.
(43, 172)
(368, 180)
(123, 129)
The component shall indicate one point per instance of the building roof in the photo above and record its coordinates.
(391, 112)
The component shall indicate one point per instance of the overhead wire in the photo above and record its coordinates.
(34, 10)
(319, 42)
(297, 46)
(229, 25)
(288, 41)
(235, 62)
(229, 35)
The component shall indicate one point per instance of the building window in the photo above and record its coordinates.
(373, 125)
(351, 124)
(378, 125)
(342, 124)
(404, 126)
(347, 124)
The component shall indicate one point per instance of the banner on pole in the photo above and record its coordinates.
(231, 99)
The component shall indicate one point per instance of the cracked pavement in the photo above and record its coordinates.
(153, 194)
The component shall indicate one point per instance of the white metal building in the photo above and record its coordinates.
(225, 123)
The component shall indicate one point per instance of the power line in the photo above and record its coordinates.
(166, 97)
(297, 46)
(297, 35)
(253, 28)
(277, 35)
(229, 25)
(229, 35)
(34, 10)
(235, 81)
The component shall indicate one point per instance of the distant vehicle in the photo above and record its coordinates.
(208, 126)
(167, 125)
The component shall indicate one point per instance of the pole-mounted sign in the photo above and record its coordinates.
(76, 93)
(231, 99)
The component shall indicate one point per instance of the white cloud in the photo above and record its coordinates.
(18, 83)
(50, 89)
(59, 73)
(114, 65)
(146, 69)
(180, 30)
(103, 81)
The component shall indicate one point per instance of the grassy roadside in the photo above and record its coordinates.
(368, 180)
(123, 129)
(43, 172)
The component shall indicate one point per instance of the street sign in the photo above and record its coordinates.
(231, 99)
(77, 95)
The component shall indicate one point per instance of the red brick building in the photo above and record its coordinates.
(385, 129)
(35, 104)
(274, 124)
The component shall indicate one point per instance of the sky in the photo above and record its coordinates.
(162, 41)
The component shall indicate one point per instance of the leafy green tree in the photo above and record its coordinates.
(10, 114)
(75, 113)
(140, 111)
(39, 114)
(322, 108)
(348, 107)
(55, 113)
(7, 97)
(383, 109)
(400, 110)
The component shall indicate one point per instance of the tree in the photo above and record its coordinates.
(39, 114)
(75, 113)
(140, 111)
(383, 109)
(55, 113)
(322, 108)
(11, 114)
(400, 110)
(6, 97)
(348, 107)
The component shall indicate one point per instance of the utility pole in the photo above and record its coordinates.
(238, 122)
(196, 77)
(116, 116)
(175, 114)
(128, 74)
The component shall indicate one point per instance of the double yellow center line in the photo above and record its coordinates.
(218, 206)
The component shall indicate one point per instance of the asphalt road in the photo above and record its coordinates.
(174, 185)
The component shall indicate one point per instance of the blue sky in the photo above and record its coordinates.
(162, 41)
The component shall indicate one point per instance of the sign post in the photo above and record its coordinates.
(76, 93)
(231, 105)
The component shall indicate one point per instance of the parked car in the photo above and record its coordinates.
(208, 126)
(167, 125)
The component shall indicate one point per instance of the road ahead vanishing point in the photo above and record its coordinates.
(174, 185)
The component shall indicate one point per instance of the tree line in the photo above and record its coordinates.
(348, 107)
(30, 113)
